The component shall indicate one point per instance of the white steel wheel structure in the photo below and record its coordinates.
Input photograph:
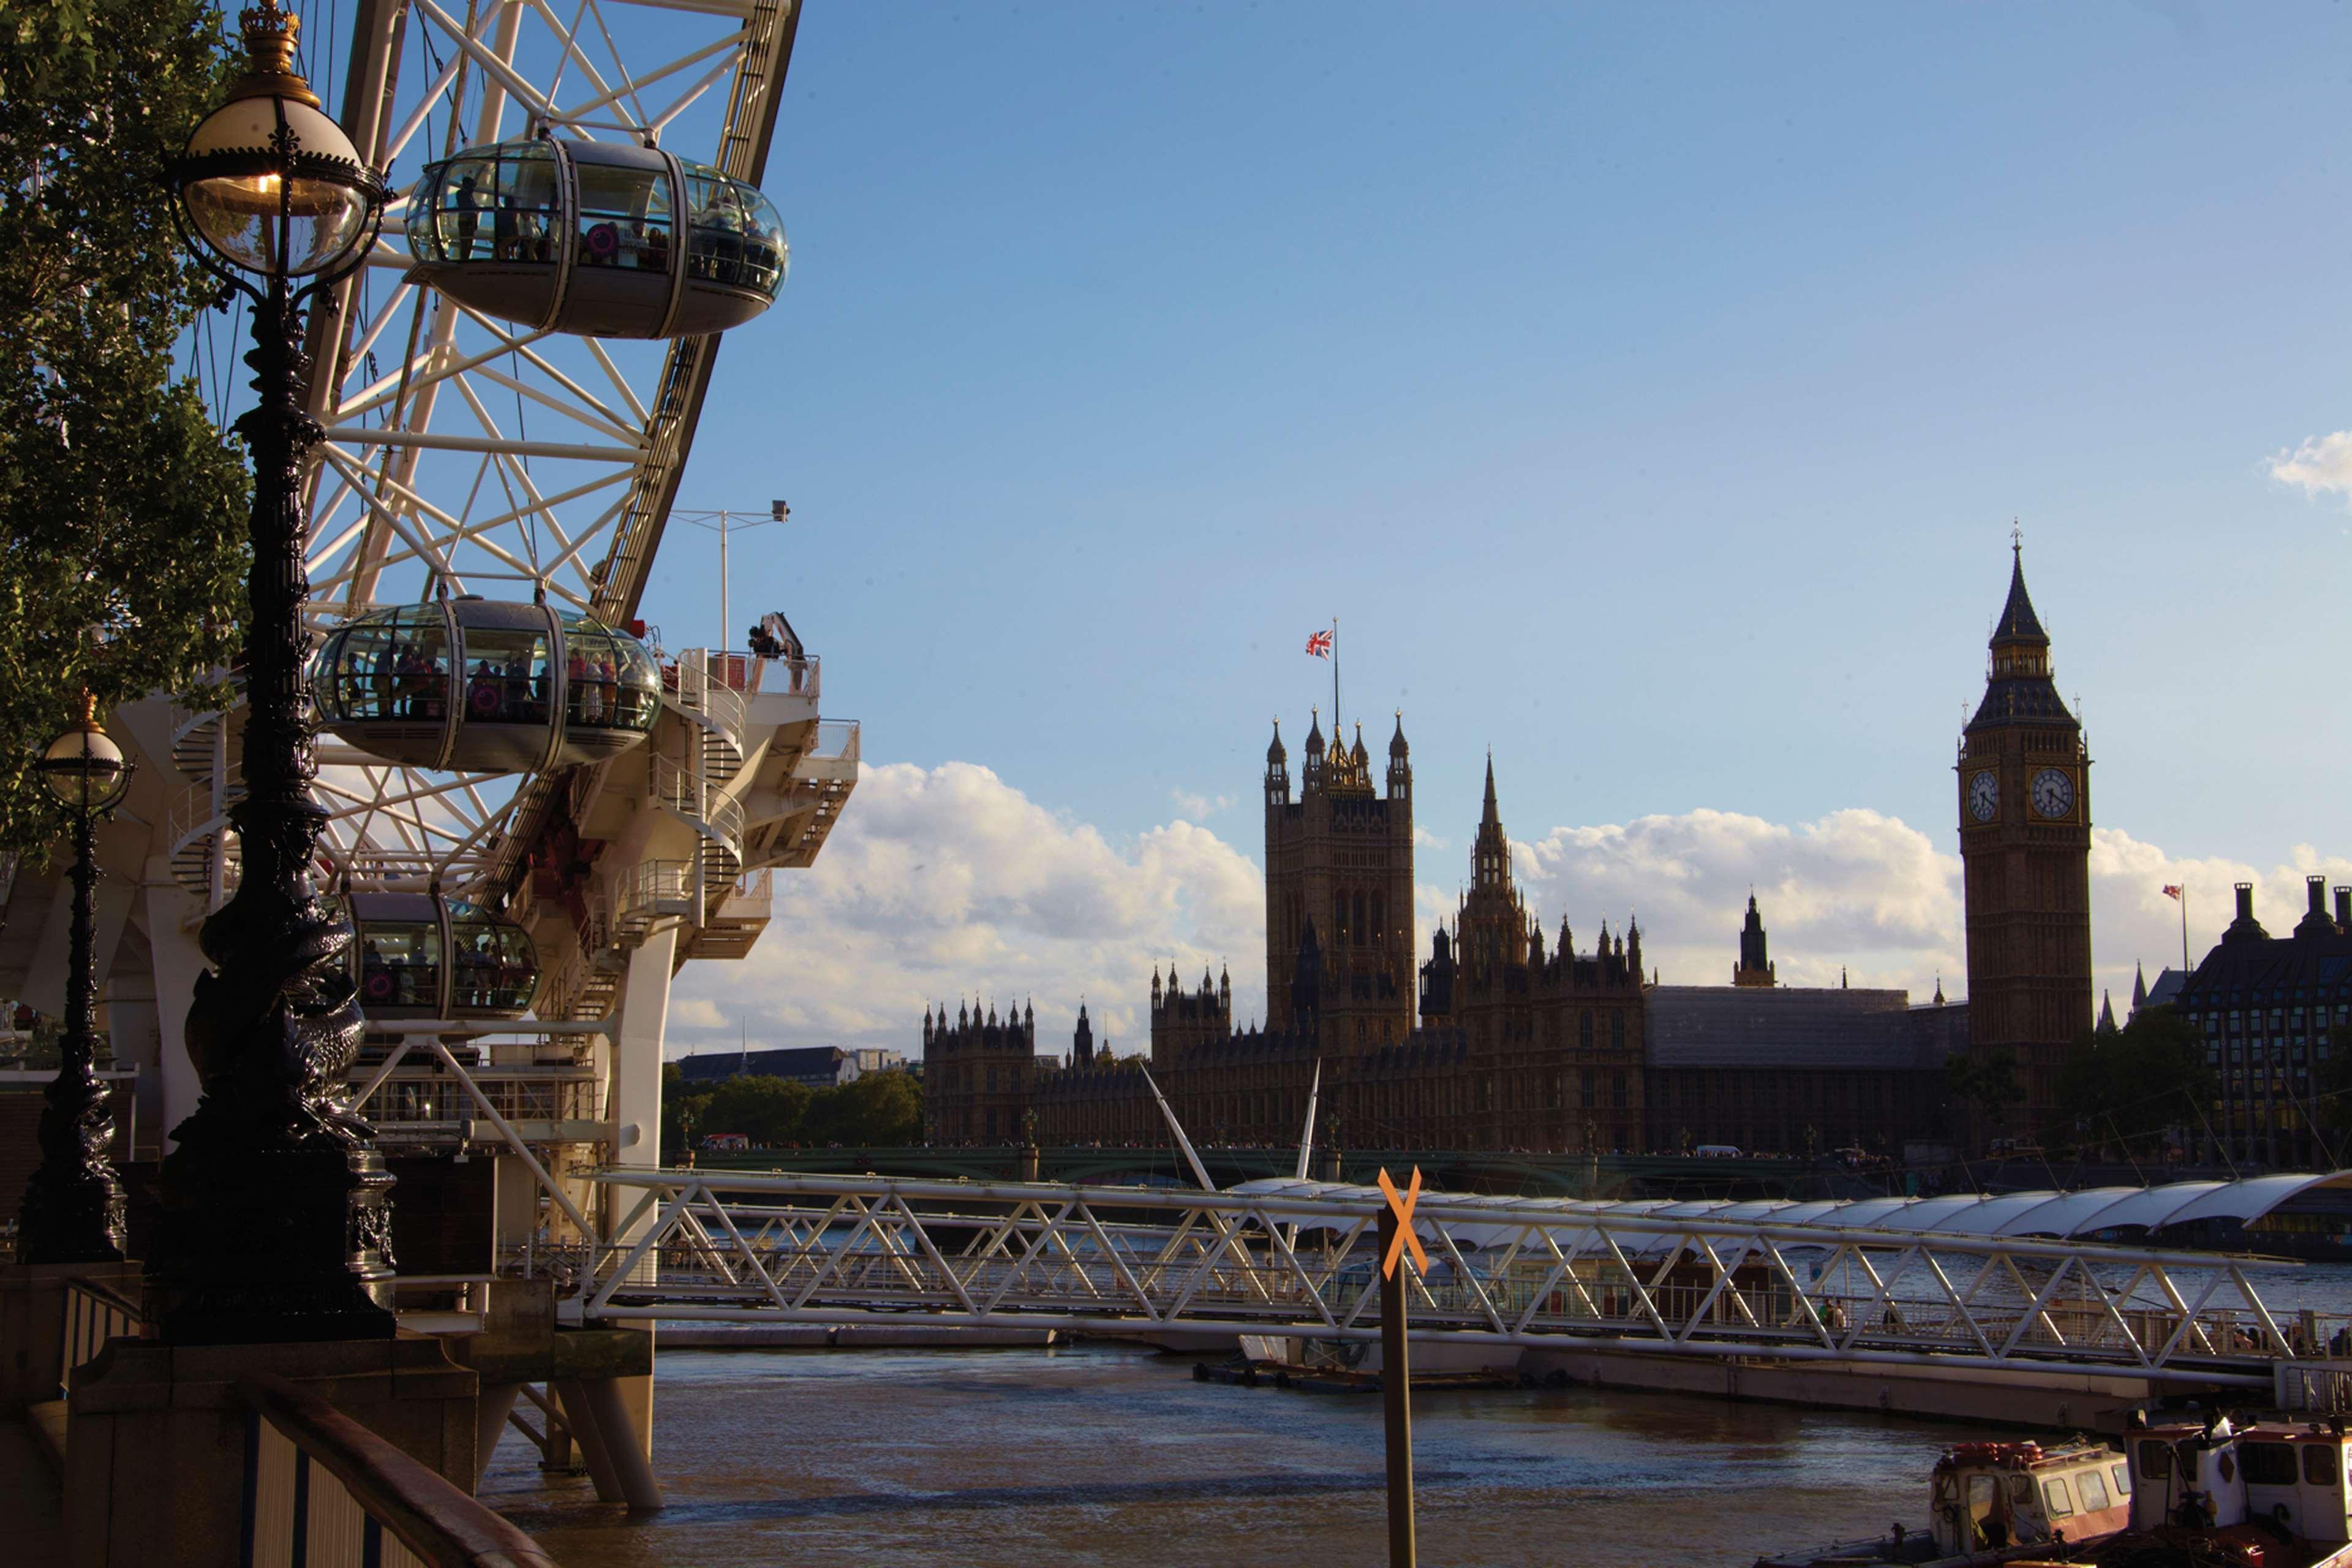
(511, 476)
(600, 238)
(486, 686)
(466, 454)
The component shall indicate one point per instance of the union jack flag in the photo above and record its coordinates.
(2172, 891)
(1319, 645)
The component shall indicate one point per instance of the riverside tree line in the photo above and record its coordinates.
(881, 1109)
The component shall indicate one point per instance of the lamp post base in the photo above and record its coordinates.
(71, 1215)
(270, 1244)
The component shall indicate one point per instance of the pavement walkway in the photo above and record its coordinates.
(30, 1503)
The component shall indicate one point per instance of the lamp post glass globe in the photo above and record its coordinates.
(84, 769)
(270, 183)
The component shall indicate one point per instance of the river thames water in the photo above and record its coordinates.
(1103, 1454)
(1109, 1454)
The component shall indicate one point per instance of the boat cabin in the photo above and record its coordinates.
(2291, 1475)
(1987, 1496)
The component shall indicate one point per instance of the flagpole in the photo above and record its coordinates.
(2184, 933)
(1334, 680)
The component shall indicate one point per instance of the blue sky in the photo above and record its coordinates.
(1648, 390)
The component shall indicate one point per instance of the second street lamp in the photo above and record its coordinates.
(274, 1208)
(72, 1211)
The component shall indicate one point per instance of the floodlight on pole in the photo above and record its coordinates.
(724, 521)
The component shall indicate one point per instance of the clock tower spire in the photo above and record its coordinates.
(2025, 852)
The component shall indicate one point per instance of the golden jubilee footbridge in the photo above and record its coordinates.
(1995, 1284)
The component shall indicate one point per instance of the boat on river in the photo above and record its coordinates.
(2274, 1492)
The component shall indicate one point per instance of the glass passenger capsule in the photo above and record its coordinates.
(600, 238)
(419, 955)
(486, 686)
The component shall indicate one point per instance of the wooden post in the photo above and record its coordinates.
(1396, 1397)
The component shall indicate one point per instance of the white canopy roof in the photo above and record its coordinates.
(2051, 1214)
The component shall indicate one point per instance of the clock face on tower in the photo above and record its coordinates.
(1984, 796)
(2054, 792)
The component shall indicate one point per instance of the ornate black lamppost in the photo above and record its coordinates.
(273, 1207)
(72, 1211)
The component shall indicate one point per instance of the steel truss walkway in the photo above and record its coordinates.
(1294, 1260)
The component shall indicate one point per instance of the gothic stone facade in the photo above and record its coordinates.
(2024, 780)
(1505, 1043)
(1508, 1042)
(978, 1074)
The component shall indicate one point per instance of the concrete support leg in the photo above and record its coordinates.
(172, 942)
(498, 1402)
(625, 1449)
(637, 1397)
(557, 1451)
(637, 1102)
(514, 1204)
(636, 1085)
(582, 1419)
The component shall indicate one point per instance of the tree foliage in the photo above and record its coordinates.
(2141, 1086)
(122, 507)
(873, 1109)
(764, 1109)
(1985, 1082)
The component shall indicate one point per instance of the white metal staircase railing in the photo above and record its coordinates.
(644, 893)
(205, 860)
(837, 740)
(735, 915)
(717, 820)
(716, 709)
(197, 741)
(202, 860)
(585, 985)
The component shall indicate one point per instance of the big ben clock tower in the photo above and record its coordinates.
(2026, 854)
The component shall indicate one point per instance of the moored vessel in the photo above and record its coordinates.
(2270, 1492)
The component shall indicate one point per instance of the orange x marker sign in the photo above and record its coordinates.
(1405, 1236)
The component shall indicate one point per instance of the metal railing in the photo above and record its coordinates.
(323, 1490)
(836, 741)
(423, 1099)
(805, 1247)
(753, 673)
(681, 792)
(705, 685)
(753, 896)
(651, 886)
(94, 1313)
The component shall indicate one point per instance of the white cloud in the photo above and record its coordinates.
(1194, 806)
(2322, 464)
(1855, 888)
(941, 883)
(945, 882)
(699, 1013)
(2133, 919)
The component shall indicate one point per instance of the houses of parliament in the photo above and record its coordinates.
(1498, 1037)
